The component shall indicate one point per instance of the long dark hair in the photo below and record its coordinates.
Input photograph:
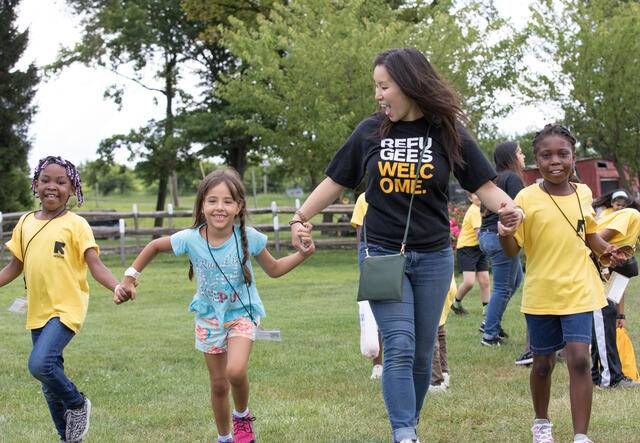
(439, 103)
(505, 158)
(231, 178)
(605, 200)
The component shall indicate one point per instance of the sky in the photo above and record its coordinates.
(73, 116)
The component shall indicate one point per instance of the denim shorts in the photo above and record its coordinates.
(213, 338)
(550, 333)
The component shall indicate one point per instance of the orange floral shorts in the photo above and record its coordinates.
(211, 338)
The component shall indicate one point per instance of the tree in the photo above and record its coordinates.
(108, 177)
(138, 34)
(308, 66)
(17, 89)
(596, 45)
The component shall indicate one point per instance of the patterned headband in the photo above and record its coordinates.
(69, 167)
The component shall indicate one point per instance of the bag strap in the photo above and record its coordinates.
(413, 194)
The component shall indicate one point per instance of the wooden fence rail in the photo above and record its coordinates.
(112, 225)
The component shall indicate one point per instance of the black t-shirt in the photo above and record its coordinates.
(391, 167)
(510, 183)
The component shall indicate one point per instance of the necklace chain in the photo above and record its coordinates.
(575, 191)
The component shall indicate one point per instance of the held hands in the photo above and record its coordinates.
(125, 291)
(305, 245)
(613, 255)
(509, 220)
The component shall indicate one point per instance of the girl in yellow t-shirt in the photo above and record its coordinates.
(54, 247)
(613, 201)
(562, 287)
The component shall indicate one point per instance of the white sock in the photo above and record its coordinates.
(580, 437)
(539, 421)
(240, 414)
(227, 437)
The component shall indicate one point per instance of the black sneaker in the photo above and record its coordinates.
(78, 421)
(503, 333)
(459, 311)
(526, 358)
(481, 328)
(497, 341)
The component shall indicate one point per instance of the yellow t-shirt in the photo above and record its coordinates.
(55, 269)
(453, 288)
(605, 212)
(626, 222)
(472, 220)
(359, 210)
(561, 279)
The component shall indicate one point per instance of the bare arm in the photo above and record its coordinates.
(11, 271)
(322, 196)
(277, 268)
(142, 260)
(598, 244)
(99, 271)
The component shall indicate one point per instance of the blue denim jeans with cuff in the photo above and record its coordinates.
(47, 365)
(409, 330)
(507, 275)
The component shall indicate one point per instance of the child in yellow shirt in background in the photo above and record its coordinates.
(472, 262)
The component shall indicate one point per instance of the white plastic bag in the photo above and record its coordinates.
(369, 346)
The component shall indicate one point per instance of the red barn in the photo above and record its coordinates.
(600, 175)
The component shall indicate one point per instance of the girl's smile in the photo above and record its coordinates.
(220, 209)
(555, 159)
(53, 188)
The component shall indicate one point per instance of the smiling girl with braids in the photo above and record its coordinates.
(226, 304)
(54, 247)
(562, 287)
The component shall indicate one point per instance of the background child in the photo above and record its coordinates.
(472, 262)
(227, 306)
(614, 201)
(620, 227)
(54, 247)
(359, 210)
(440, 364)
(562, 287)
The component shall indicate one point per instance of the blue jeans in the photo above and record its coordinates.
(46, 364)
(409, 330)
(507, 275)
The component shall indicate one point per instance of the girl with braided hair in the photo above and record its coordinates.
(562, 287)
(54, 248)
(226, 304)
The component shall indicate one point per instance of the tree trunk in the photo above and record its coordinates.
(162, 197)
(622, 173)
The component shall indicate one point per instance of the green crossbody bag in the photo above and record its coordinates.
(382, 276)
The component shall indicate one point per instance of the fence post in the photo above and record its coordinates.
(1, 240)
(170, 211)
(122, 255)
(276, 227)
(134, 208)
(297, 204)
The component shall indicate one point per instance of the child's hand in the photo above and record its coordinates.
(125, 291)
(509, 217)
(506, 231)
(306, 247)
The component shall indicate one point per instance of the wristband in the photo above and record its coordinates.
(116, 288)
(132, 272)
(303, 217)
(620, 317)
(521, 211)
(293, 222)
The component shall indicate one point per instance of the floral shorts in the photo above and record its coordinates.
(212, 338)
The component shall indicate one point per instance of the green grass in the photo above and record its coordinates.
(147, 383)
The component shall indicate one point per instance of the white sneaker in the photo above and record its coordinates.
(542, 432)
(438, 388)
(376, 372)
(445, 375)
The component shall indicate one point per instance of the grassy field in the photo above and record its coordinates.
(148, 384)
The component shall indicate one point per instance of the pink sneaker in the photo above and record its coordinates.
(243, 429)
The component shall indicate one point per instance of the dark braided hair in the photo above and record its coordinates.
(550, 129)
(70, 168)
(231, 178)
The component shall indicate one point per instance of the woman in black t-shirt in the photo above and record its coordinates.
(419, 115)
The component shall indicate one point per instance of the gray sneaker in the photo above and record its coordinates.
(78, 421)
(627, 383)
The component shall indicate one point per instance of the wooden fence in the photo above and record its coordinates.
(125, 226)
